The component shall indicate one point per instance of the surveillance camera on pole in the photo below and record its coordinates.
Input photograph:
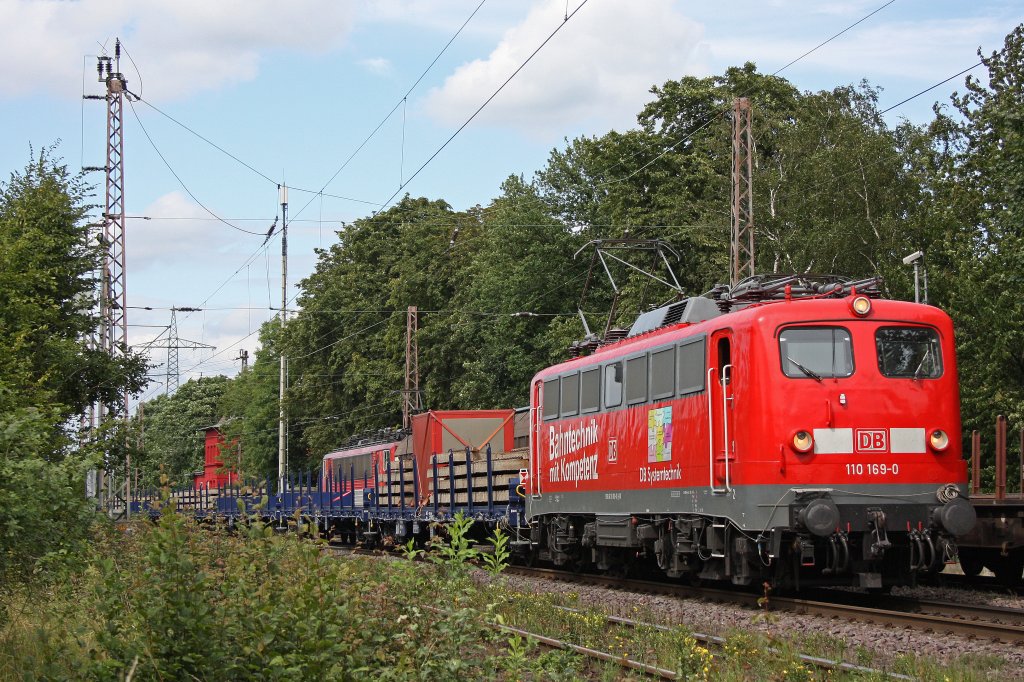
(915, 259)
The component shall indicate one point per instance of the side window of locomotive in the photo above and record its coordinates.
(590, 390)
(725, 368)
(909, 352)
(663, 374)
(691, 366)
(613, 384)
(636, 380)
(571, 395)
(816, 352)
(551, 399)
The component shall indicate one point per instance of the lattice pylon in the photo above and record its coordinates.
(114, 292)
(741, 253)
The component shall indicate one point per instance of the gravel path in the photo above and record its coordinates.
(716, 619)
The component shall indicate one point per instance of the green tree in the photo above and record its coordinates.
(346, 347)
(174, 426)
(47, 300)
(49, 373)
(520, 286)
(249, 407)
(984, 197)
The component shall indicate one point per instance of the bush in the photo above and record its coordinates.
(44, 518)
(180, 604)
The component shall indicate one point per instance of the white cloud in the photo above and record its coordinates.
(598, 68)
(376, 65)
(179, 232)
(182, 47)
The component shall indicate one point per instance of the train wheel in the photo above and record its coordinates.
(970, 563)
(1008, 569)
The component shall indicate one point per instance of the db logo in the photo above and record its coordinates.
(872, 440)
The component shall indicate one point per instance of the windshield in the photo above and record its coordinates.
(909, 352)
(816, 352)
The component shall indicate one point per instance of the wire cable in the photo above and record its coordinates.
(486, 102)
(395, 108)
(206, 140)
(727, 109)
(929, 89)
(182, 182)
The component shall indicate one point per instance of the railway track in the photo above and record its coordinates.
(974, 621)
(978, 583)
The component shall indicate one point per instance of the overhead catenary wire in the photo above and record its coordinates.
(178, 177)
(894, 106)
(206, 140)
(482, 106)
(395, 108)
(890, 108)
(932, 87)
(726, 109)
(817, 189)
(540, 201)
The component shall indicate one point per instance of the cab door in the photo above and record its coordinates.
(536, 416)
(721, 424)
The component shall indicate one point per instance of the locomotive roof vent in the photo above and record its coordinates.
(691, 310)
(614, 336)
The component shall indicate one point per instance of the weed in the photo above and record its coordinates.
(497, 561)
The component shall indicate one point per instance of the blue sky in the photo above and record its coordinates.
(292, 88)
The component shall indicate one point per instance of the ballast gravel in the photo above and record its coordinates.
(885, 644)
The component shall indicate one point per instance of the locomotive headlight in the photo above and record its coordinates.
(803, 441)
(861, 305)
(938, 439)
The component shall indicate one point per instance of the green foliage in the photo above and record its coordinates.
(47, 298)
(458, 550)
(173, 428)
(172, 602)
(836, 190)
(497, 561)
(986, 195)
(49, 373)
(44, 518)
(250, 404)
(410, 551)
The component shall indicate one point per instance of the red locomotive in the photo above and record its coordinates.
(798, 431)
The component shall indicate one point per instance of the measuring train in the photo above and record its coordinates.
(799, 432)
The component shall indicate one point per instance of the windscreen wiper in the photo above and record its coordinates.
(920, 365)
(811, 373)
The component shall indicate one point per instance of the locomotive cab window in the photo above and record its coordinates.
(613, 384)
(590, 390)
(636, 380)
(909, 352)
(816, 352)
(571, 395)
(551, 399)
